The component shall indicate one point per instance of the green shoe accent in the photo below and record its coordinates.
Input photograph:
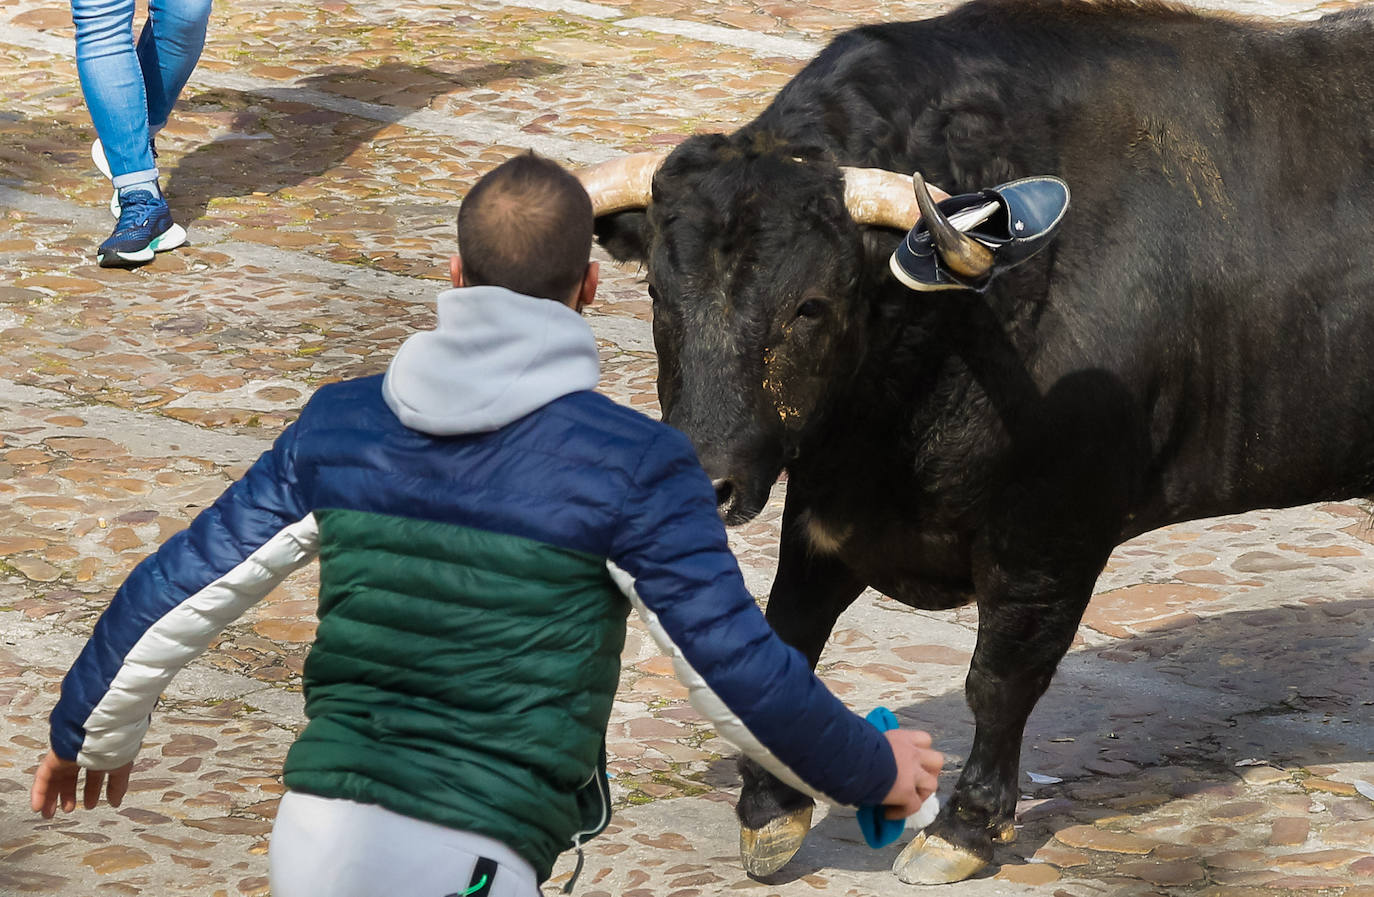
(171, 238)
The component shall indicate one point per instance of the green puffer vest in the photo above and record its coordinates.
(446, 688)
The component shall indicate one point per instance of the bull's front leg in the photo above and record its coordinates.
(1020, 642)
(809, 593)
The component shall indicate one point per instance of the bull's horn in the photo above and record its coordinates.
(622, 183)
(881, 198)
(962, 254)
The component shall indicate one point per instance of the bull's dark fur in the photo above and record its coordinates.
(1197, 341)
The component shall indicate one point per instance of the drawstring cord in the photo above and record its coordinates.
(577, 870)
(603, 795)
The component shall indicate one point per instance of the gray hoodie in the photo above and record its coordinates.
(494, 357)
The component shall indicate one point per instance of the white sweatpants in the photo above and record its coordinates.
(322, 847)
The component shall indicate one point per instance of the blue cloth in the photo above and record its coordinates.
(879, 831)
(130, 90)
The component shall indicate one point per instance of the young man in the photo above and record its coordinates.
(484, 519)
(130, 90)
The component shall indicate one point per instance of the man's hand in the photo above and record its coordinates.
(56, 780)
(918, 771)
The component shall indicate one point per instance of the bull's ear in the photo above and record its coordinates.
(625, 235)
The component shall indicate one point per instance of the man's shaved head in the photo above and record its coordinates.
(526, 226)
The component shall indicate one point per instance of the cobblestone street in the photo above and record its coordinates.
(1211, 732)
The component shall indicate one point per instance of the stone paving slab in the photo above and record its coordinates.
(1207, 731)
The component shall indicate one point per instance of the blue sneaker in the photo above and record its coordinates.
(145, 227)
(964, 241)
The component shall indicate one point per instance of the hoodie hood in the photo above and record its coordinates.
(494, 357)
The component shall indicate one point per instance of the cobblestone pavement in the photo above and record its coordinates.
(1206, 734)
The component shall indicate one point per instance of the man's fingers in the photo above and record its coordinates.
(119, 784)
(43, 796)
(55, 782)
(52, 787)
(918, 738)
(926, 785)
(918, 771)
(90, 795)
(66, 788)
(38, 794)
(928, 765)
(910, 739)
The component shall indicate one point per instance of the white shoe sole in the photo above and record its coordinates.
(171, 238)
(913, 283)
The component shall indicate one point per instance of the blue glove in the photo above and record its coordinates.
(879, 831)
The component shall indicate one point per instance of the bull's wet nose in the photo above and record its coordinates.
(724, 489)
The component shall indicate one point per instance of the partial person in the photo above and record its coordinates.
(130, 90)
(484, 521)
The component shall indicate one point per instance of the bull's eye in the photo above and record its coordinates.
(811, 308)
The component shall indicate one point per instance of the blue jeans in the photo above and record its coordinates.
(130, 91)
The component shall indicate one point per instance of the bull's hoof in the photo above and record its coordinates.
(764, 851)
(1004, 833)
(931, 860)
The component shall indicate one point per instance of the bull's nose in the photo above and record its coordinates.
(724, 489)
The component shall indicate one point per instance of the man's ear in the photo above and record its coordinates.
(455, 270)
(625, 235)
(586, 294)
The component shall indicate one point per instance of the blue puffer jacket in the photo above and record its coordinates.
(489, 423)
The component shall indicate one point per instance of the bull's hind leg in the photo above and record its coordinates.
(809, 593)
(1019, 645)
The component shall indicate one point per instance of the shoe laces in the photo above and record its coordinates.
(135, 208)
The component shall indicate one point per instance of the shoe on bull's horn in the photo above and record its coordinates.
(963, 242)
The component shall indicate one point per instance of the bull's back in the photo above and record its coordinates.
(1215, 262)
(1224, 200)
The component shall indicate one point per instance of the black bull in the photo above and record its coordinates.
(1197, 341)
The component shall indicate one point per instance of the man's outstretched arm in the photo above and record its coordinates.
(673, 560)
(164, 615)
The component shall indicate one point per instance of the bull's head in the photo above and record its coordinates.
(755, 260)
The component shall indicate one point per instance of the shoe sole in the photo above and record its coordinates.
(171, 238)
(919, 285)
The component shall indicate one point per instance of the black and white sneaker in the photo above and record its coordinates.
(145, 228)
